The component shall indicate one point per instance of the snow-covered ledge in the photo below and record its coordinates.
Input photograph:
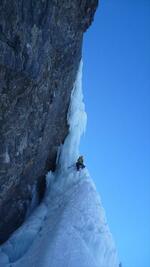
(69, 228)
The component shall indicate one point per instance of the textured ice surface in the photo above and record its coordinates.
(69, 228)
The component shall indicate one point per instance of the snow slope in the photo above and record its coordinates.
(69, 228)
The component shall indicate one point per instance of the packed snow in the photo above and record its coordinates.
(69, 228)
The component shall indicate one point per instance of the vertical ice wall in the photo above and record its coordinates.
(77, 123)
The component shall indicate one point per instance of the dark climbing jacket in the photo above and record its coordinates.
(80, 164)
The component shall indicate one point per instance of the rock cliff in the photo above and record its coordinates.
(40, 51)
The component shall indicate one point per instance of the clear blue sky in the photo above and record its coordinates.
(117, 142)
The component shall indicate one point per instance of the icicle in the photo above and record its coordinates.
(77, 124)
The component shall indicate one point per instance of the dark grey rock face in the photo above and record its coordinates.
(40, 50)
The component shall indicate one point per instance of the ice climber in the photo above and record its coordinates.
(80, 164)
